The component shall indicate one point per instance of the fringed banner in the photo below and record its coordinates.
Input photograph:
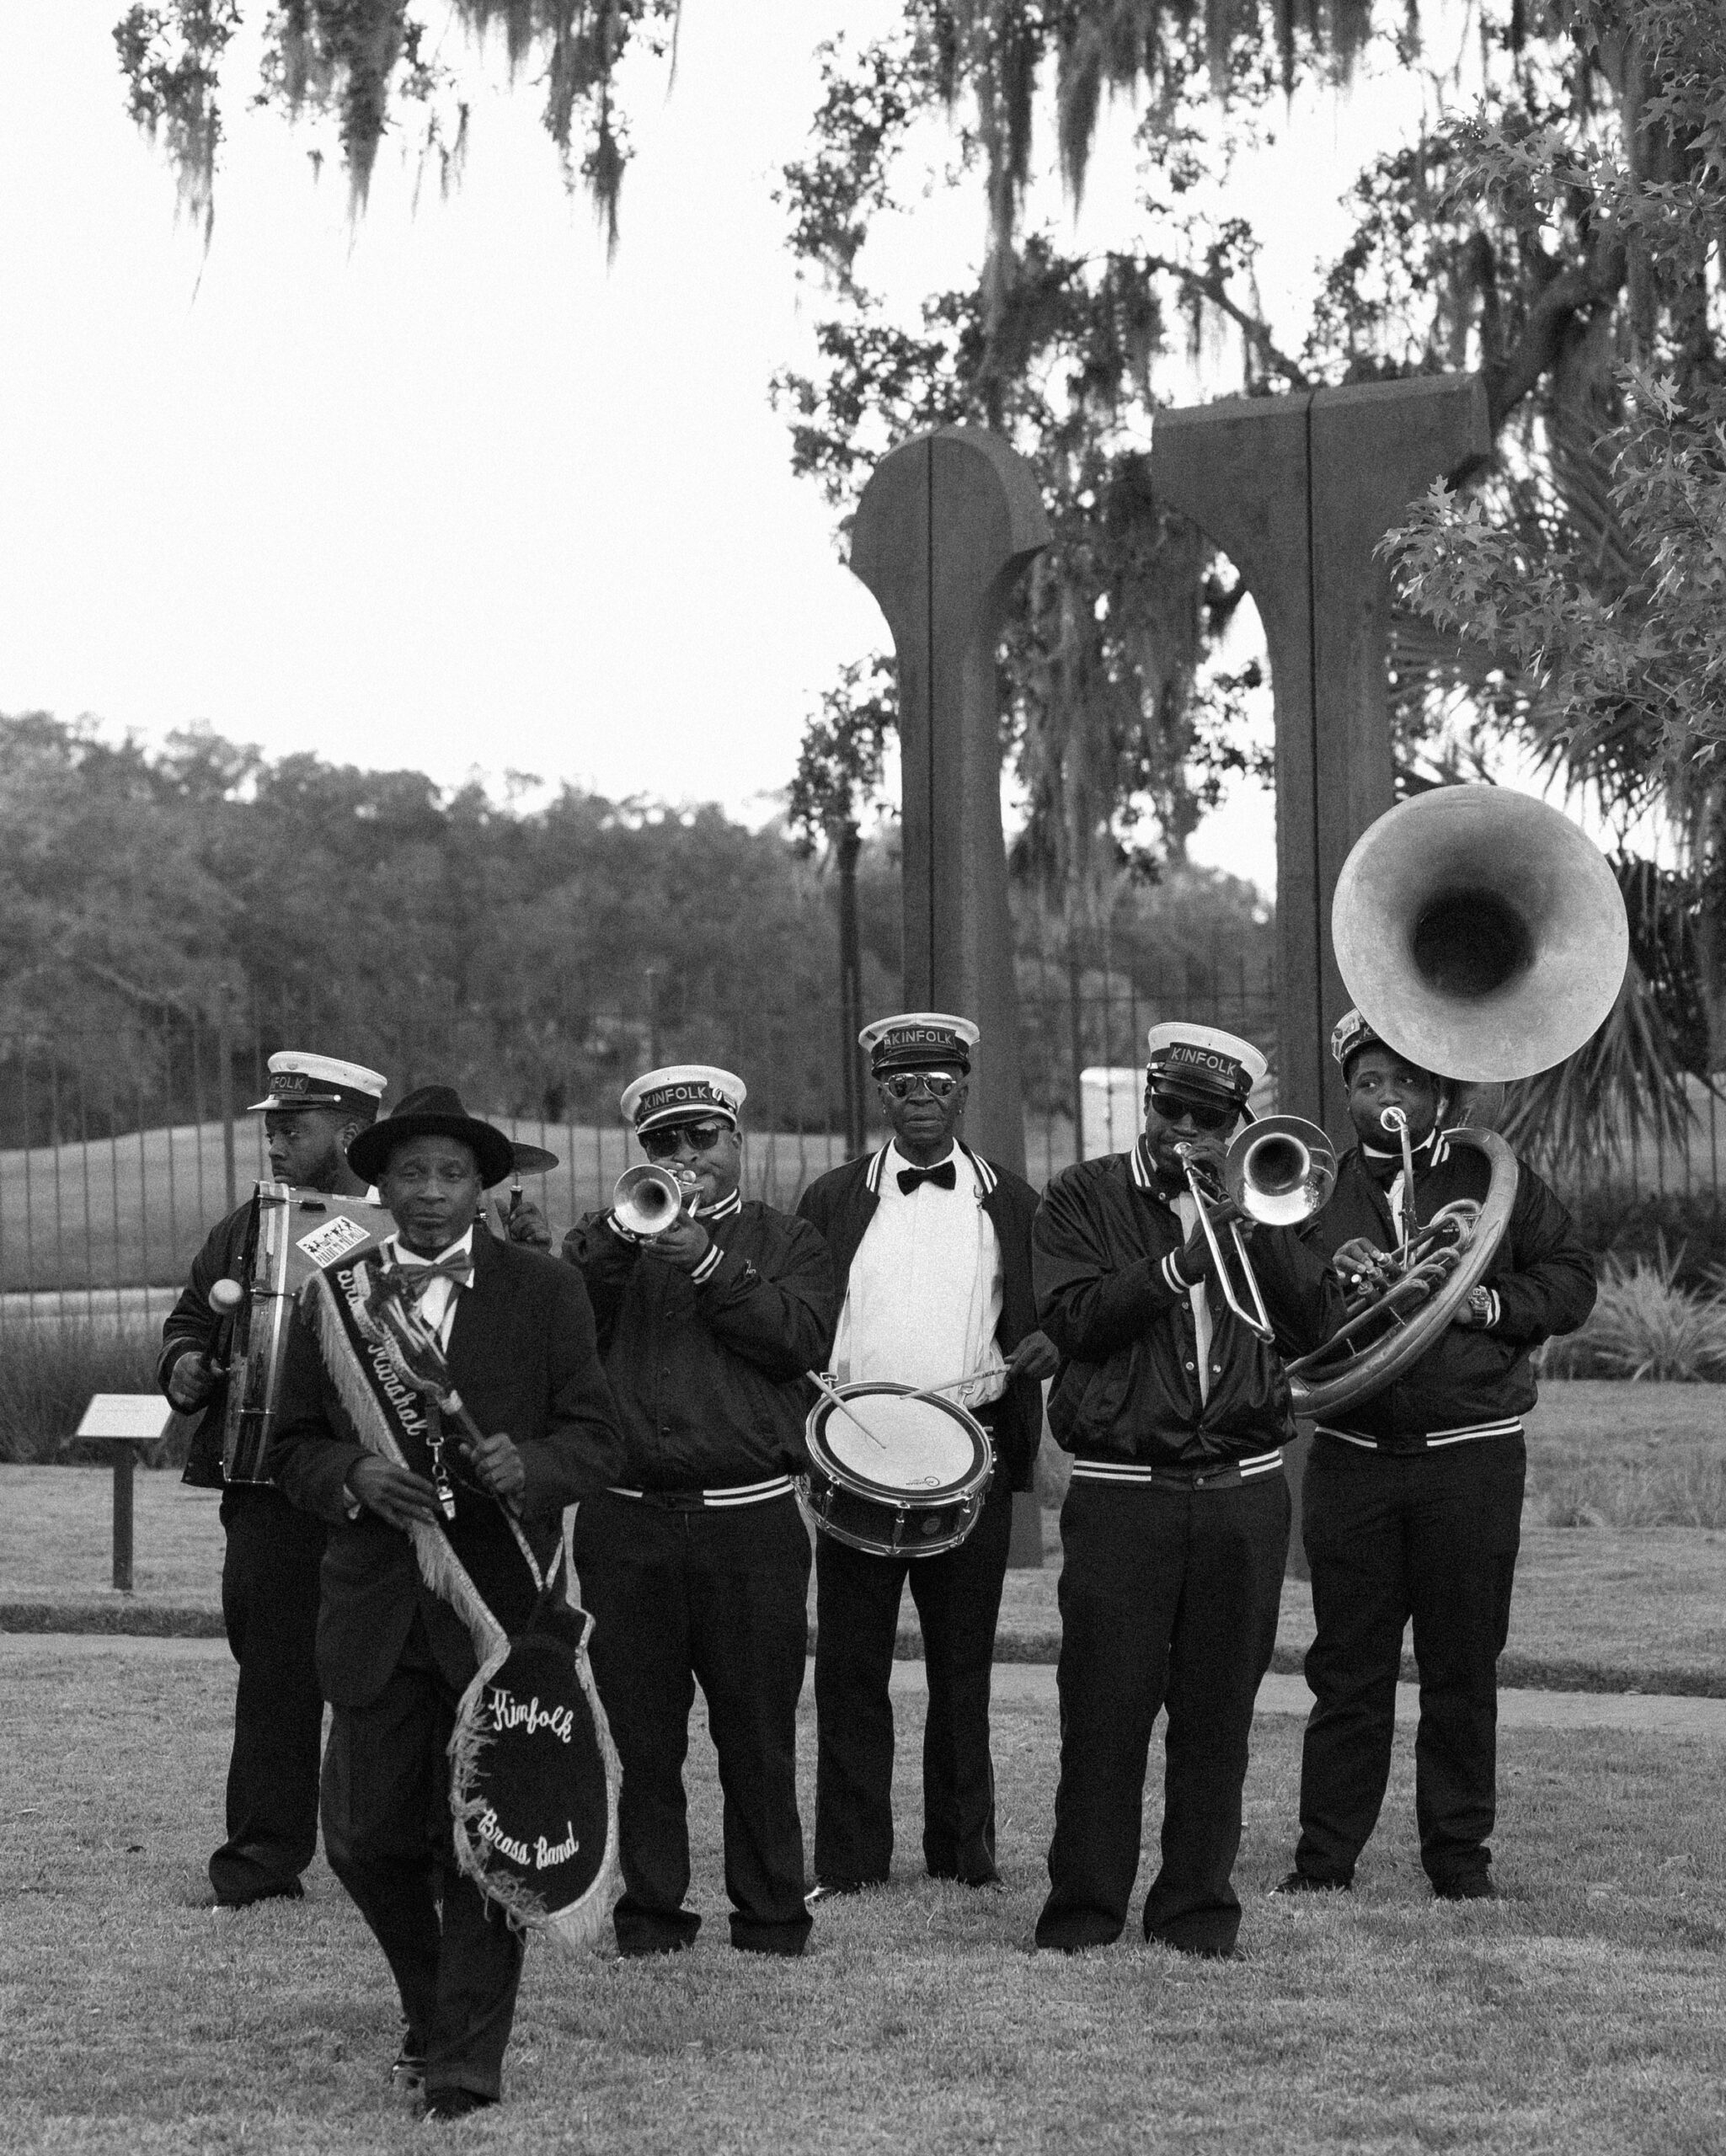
(534, 1781)
(533, 1772)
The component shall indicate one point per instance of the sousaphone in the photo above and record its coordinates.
(1482, 935)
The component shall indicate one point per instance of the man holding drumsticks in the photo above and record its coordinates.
(314, 1107)
(932, 1244)
(695, 1564)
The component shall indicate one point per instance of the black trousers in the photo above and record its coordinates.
(717, 1598)
(1430, 1535)
(1168, 1597)
(387, 1835)
(958, 1598)
(269, 1588)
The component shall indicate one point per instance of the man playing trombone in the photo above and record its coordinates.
(1412, 1504)
(1173, 1400)
(695, 1564)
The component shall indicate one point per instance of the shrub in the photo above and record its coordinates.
(1690, 1224)
(1646, 1324)
(48, 1371)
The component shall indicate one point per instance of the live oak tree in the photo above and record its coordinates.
(372, 66)
(1119, 719)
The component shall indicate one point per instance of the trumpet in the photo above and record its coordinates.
(1277, 1173)
(646, 1200)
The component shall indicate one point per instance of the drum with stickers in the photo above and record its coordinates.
(894, 1471)
(292, 1234)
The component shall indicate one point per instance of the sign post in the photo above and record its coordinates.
(125, 1421)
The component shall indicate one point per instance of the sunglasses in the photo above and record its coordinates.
(1174, 1107)
(661, 1145)
(935, 1083)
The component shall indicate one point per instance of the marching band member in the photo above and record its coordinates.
(695, 1564)
(1412, 1505)
(931, 1248)
(394, 1655)
(314, 1108)
(1176, 1524)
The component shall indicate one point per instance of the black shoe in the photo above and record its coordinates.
(1305, 1883)
(455, 2103)
(828, 1890)
(1467, 1886)
(407, 2077)
(290, 1891)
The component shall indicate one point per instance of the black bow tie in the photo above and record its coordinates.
(944, 1177)
(415, 1280)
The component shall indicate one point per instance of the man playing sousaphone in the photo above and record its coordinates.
(932, 1244)
(426, 1559)
(695, 1563)
(1412, 1504)
(1176, 1523)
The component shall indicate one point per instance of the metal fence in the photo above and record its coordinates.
(118, 1152)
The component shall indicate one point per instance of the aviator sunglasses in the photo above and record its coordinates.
(1173, 1106)
(661, 1145)
(936, 1083)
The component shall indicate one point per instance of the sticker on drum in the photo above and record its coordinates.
(904, 1444)
(331, 1242)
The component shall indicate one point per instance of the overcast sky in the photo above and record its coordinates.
(439, 489)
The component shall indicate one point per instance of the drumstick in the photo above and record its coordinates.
(952, 1385)
(834, 1400)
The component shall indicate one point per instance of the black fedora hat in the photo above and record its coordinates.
(432, 1112)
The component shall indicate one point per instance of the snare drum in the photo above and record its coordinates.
(292, 1234)
(909, 1483)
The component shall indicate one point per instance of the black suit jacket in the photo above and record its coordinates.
(523, 1356)
(842, 1203)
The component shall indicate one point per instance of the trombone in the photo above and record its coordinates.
(1277, 1172)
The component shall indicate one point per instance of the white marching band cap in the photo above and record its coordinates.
(919, 1040)
(683, 1092)
(1203, 1060)
(297, 1081)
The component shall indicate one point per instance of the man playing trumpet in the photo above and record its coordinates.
(1412, 1504)
(1176, 1524)
(695, 1564)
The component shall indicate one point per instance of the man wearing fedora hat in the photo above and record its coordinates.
(394, 1655)
(1176, 1523)
(931, 1246)
(695, 1563)
(314, 1106)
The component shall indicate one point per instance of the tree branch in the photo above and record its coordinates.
(1213, 288)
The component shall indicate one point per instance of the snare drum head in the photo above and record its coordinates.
(904, 1444)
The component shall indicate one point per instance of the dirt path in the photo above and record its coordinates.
(1662, 1715)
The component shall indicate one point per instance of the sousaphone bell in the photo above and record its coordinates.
(1482, 935)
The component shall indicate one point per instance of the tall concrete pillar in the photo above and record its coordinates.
(946, 527)
(1298, 491)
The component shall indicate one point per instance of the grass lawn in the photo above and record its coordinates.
(1587, 2011)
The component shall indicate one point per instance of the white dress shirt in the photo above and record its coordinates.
(923, 1299)
(436, 1305)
